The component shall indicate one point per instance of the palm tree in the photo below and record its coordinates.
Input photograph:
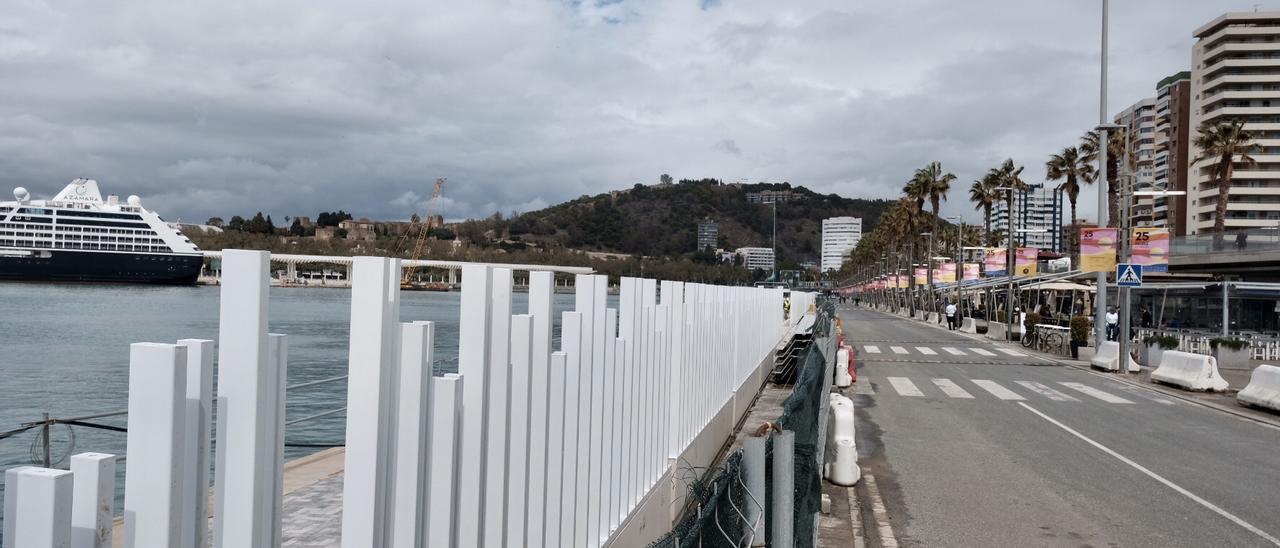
(935, 185)
(1230, 143)
(1009, 176)
(1070, 165)
(983, 194)
(1115, 150)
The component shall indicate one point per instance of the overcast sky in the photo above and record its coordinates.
(293, 107)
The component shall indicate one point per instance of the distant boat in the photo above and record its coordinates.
(77, 236)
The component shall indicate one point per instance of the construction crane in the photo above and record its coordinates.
(432, 204)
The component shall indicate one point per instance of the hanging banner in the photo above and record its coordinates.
(1098, 249)
(937, 275)
(900, 282)
(995, 261)
(922, 276)
(1027, 261)
(970, 272)
(1151, 249)
(948, 273)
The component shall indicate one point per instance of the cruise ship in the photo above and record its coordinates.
(77, 236)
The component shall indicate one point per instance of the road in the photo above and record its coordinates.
(970, 442)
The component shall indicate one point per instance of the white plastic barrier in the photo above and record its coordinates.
(1108, 358)
(932, 317)
(968, 325)
(1263, 389)
(1190, 371)
(843, 379)
(841, 466)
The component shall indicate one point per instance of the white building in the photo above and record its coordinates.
(1140, 120)
(1235, 74)
(756, 257)
(839, 236)
(1037, 220)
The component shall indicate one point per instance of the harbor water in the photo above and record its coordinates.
(64, 350)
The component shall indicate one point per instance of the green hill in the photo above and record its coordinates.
(662, 220)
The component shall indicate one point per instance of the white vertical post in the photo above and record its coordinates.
(599, 374)
(241, 453)
(473, 364)
(675, 356)
(11, 506)
(495, 499)
(617, 505)
(277, 378)
(540, 292)
(585, 305)
(649, 297)
(409, 483)
(43, 516)
(609, 455)
(442, 487)
(94, 497)
(646, 401)
(571, 345)
(198, 427)
(662, 385)
(153, 464)
(555, 449)
(371, 371)
(518, 469)
(626, 332)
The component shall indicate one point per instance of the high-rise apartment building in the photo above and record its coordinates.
(1140, 150)
(1037, 221)
(1235, 74)
(708, 234)
(839, 236)
(1173, 141)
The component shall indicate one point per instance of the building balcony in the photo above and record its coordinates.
(1212, 54)
(1228, 79)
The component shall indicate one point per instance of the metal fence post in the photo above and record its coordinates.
(783, 521)
(753, 462)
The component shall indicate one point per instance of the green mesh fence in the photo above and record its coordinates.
(716, 514)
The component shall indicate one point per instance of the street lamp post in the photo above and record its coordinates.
(1100, 304)
(928, 270)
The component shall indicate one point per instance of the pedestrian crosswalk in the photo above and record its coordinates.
(1018, 390)
(931, 351)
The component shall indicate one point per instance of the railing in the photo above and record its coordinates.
(1256, 239)
(528, 445)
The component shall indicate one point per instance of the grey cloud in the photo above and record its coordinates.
(294, 107)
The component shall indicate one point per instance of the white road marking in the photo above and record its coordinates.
(1248, 526)
(905, 387)
(953, 351)
(863, 386)
(1094, 392)
(1143, 393)
(1011, 352)
(952, 389)
(1045, 391)
(872, 349)
(982, 352)
(997, 390)
(880, 513)
(926, 351)
(855, 517)
(898, 349)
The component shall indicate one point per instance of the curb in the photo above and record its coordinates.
(1273, 422)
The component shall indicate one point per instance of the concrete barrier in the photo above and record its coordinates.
(841, 466)
(843, 379)
(968, 325)
(932, 318)
(1190, 371)
(920, 315)
(1108, 358)
(1263, 389)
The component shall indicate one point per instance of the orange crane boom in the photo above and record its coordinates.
(406, 279)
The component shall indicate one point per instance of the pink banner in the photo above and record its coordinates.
(970, 272)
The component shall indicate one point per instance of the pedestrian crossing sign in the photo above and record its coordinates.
(1128, 275)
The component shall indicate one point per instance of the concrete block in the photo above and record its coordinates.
(968, 325)
(94, 499)
(1107, 358)
(1190, 371)
(42, 517)
(1263, 389)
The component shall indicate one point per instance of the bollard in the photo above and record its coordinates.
(93, 499)
(843, 380)
(753, 462)
(784, 494)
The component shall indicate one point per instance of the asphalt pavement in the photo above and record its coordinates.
(971, 442)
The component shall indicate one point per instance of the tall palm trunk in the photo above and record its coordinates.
(1075, 237)
(1224, 190)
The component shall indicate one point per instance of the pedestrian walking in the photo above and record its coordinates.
(1113, 324)
(1146, 317)
(951, 316)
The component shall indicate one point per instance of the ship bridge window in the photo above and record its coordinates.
(102, 215)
